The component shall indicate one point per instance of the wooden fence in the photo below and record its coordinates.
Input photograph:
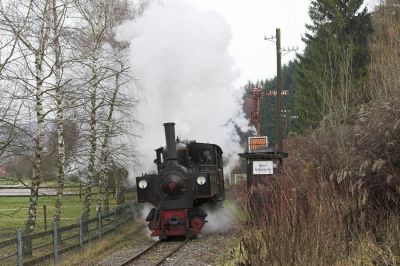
(33, 248)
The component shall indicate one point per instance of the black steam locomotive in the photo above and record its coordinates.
(189, 174)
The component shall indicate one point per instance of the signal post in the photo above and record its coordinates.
(263, 161)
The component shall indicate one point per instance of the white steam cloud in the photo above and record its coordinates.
(219, 220)
(179, 54)
(145, 209)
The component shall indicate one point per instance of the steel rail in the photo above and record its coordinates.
(140, 254)
(132, 259)
(172, 252)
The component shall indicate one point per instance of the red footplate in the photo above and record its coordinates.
(176, 223)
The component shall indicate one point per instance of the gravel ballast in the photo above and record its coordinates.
(206, 250)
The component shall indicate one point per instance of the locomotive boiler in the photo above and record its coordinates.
(189, 175)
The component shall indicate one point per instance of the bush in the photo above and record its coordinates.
(337, 200)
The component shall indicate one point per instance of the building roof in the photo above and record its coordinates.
(264, 153)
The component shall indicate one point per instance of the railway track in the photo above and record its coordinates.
(154, 259)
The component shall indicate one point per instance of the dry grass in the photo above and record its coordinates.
(368, 250)
(126, 236)
(306, 217)
(295, 218)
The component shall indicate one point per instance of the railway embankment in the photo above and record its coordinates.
(212, 249)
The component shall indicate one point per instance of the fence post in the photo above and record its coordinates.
(99, 224)
(133, 211)
(45, 216)
(19, 247)
(115, 218)
(81, 236)
(55, 243)
(128, 213)
(123, 213)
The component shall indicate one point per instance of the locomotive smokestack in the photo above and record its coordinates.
(170, 139)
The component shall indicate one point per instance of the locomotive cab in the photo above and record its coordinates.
(207, 159)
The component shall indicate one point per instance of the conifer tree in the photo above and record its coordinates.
(334, 67)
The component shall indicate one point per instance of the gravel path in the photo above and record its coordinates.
(207, 250)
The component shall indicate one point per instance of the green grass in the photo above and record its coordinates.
(14, 211)
(235, 209)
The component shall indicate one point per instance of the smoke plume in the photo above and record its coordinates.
(179, 55)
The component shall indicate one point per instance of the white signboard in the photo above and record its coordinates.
(263, 168)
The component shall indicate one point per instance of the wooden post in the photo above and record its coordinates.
(131, 211)
(279, 91)
(55, 243)
(80, 190)
(250, 176)
(19, 247)
(115, 218)
(99, 225)
(116, 189)
(45, 216)
(81, 236)
(123, 213)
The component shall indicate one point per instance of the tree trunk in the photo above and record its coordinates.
(119, 184)
(92, 142)
(59, 116)
(35, 183)
(104, 150)
(40, 116)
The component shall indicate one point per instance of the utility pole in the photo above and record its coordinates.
(279, 50)
(279, 90)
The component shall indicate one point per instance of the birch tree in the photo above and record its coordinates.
(39, 53)
(108, 130)
(58, 13)
(95, 15)
(103, 178)
(33, 41)
(106, 64)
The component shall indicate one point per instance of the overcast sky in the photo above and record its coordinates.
(252, 19)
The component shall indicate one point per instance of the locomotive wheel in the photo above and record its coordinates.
(163, 236)
(190, 234)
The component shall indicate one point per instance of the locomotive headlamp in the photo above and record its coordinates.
(201, 180)
(143, 184)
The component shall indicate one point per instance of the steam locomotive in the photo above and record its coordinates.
(189, 175)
